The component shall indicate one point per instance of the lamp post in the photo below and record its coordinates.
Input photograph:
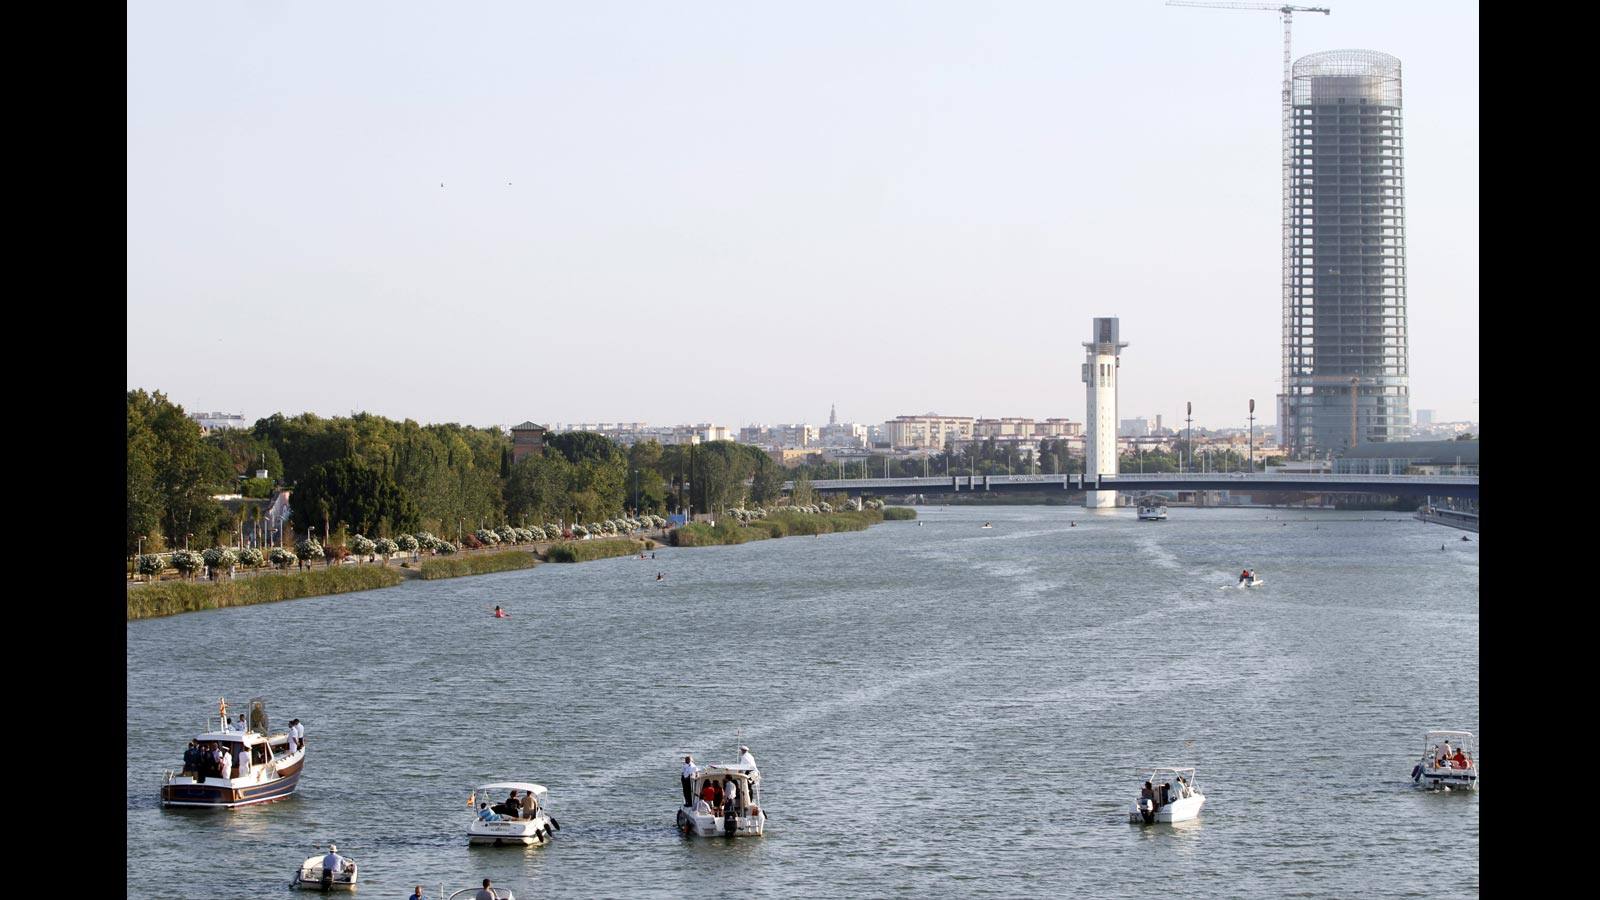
(1252, 436)
(186, 540)
(1188, 440)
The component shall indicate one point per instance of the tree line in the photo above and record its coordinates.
(370, 475)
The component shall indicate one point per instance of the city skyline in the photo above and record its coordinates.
(645, 215)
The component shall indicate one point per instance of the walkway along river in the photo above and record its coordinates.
(940, 709)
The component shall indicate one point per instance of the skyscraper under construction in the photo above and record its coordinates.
(1346, 366)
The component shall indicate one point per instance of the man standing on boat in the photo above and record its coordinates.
(689, 770)
(745, 759)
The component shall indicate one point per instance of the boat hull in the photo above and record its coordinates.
(218, 794)
(716, 826)
(1176, 811)
(1448, 779)
(511, 832)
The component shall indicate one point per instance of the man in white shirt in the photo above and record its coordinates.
(689, 770)
(298, 731)
(745, 759)
(332, 863)
(226, 764)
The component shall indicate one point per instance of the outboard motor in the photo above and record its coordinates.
(730, 824)
(1416, 773)
(1147, 810)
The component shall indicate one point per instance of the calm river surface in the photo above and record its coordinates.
(937, 710)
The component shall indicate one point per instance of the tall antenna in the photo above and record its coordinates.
(1287, 246)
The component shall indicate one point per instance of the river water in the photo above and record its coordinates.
(937, 710)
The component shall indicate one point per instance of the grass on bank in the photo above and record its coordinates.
(777, 525)
(584, 551)
(898, 513)
(166, 598)
(454, 567)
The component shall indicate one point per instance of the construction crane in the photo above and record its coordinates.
(1287, 249)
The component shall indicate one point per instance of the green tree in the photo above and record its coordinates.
(350, 494)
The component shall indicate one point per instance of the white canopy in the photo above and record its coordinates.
(509, 786)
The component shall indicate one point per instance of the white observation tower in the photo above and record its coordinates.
(1100, 411)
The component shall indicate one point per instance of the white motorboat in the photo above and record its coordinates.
(741, 817)
(1151, 509)
(986, 525)
(499, 893)
(313, 877)
(261, 767)
(1449, 762)
(1171, 799)
(499, 822)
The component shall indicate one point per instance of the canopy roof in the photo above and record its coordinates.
(508, 786)
(738, 770)
(1449, 734)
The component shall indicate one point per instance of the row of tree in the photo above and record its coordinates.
(371, 475)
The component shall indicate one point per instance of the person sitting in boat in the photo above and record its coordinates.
(730, 796)
(530, 806)
(508, 807)
(1461, 760)
(486, 814)
(1244, 576)
(708, 793)
(1441, 760)
(332, 864)
(1183, 789)
(701, 807)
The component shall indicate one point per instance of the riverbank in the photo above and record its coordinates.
(456, 567)
(777, 525)
(168, 598)
(586, 551)
(172, 597)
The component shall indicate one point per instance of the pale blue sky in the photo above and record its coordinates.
(739, 212)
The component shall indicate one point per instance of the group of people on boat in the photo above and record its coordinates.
(1446, 758)
(720, 798)
(1245, 576)
(1166, 793)
(510, 808)
(216, 759)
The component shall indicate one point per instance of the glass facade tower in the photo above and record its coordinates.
(1346, 364)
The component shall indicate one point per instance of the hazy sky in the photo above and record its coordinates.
(745, 211)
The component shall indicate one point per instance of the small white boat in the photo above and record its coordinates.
(313, 877)
(986, 525)
(1174, 797)
(499, 822)
(742, 817)
(499, 893)
(1449, 762)
(1152, 509)
(261, 767)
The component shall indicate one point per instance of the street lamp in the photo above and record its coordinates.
(1252, 436)
(186, 540)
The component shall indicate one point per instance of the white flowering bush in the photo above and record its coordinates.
(187, 562)
(443, 548)
(282, 558)
(486, 537)
(408, 543)
(507, 534)
(151, 564)
(386, 547)
(308, 550)
(825, 507)
(250, 557)
(361, 545)
(426, 540)
(536, 534)
(580, 531)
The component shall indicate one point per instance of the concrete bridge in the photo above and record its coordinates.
(1388, 485)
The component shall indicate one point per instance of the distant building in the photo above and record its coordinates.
(527, 439)
(217, 421)
(1139, 427)
(1423, 417)
(1410, 458)
(927, 431)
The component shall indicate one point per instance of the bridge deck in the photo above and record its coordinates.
(1398, 485)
